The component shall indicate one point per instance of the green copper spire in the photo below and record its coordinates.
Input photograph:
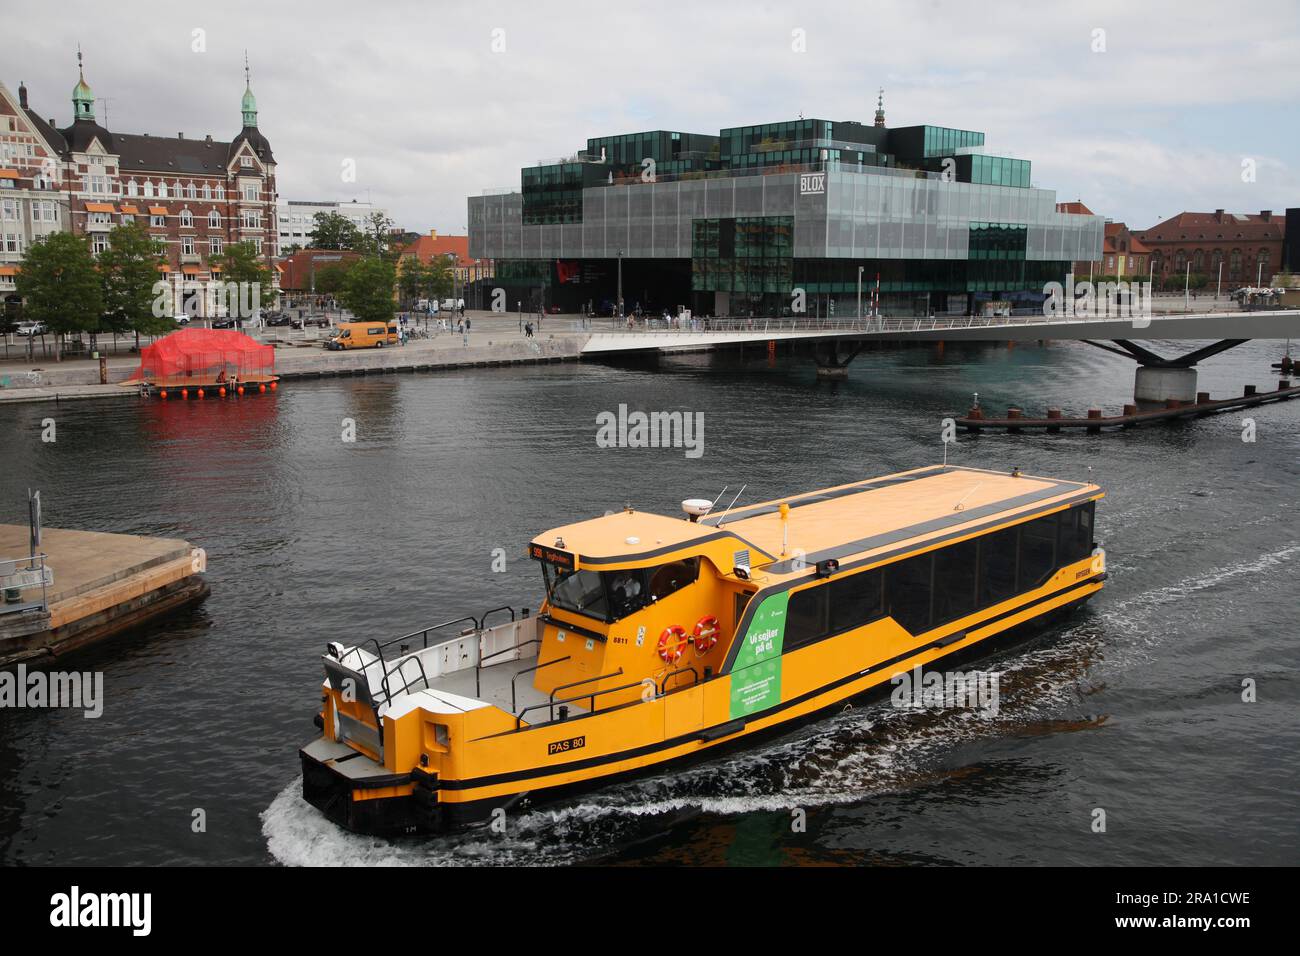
(83, 97)
(249, 103)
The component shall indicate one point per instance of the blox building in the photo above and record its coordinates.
(742, 221)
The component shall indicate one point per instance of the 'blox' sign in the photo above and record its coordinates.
(812, 184)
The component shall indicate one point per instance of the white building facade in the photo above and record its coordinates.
(297, 218)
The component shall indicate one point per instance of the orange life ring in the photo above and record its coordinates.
(672, 643)
(706, 633)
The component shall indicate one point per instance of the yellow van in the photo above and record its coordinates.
(362, 335)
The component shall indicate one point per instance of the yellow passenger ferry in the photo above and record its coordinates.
(665, 639)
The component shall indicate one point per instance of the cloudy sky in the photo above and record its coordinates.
(1140, 110)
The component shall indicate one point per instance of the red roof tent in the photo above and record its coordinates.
(205, 357)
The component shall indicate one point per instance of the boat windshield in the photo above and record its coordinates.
(613, 595)
(581, 591)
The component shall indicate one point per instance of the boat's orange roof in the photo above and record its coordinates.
(878, 515)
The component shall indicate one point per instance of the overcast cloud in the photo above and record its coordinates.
(413, 92)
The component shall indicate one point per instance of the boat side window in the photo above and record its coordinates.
(1076, 533)
(999, 554)
(856, 599)
(1037, 552)
(907, 591)
(627, 591)
(673, 576)
(955, 581)
(581, 591)
(806, 617)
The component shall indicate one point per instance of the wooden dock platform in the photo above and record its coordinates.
(102, 584)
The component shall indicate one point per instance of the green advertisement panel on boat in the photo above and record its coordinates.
(756, 676)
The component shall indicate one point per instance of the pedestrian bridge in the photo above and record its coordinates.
(837, 341)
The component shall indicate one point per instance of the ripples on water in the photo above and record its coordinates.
(1132, 705)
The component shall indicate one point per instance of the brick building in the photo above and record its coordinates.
(465, 268)
(31, 205)
(1123, 254)
(1249, 246)
(195, 196)
(300, 269)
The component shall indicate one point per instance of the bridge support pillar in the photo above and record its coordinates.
(1159, 384)
(832, 363)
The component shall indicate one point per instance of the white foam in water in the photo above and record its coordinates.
(846, 758)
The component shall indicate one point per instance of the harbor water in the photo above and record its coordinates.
(1133, 706)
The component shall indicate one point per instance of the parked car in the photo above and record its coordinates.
(452, 305)
(225, 322)
(182, 319)
(32, 328)
(320, 321)
(277, 319)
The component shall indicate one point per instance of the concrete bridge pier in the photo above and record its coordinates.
(1158, 379)
(832, 361)
(1154, 384)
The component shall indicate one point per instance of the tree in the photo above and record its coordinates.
(242, 265)
(129, 269)
(61, 286)
(330, 279)
(368, 290)
(376, 239)
(412, 280)
(333, 231)
(440, 272)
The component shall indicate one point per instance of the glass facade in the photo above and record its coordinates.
(941, 141)
(552, 193)
(747, 254)
(993, 170)
(758, 210)
(858, 215)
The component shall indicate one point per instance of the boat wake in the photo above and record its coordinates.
(861, 752)
(844, 759)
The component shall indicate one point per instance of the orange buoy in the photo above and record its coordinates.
(273, 386)
(672, 642)
(200, 393)
(261, 388)
(706, 633)
(222, 391)
(239, 390)
(185, 393)
(162, 393)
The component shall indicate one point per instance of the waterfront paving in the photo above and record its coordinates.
(493, 339)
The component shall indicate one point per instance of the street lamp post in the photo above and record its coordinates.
(860, 293)
(619, 304)
(1218, 286)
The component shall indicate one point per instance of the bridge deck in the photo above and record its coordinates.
(1197, 326)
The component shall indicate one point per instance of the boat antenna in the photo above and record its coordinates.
(733, 503)
(960, 506)
(715, 501)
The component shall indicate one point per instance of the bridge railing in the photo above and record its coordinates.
(787, 324)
